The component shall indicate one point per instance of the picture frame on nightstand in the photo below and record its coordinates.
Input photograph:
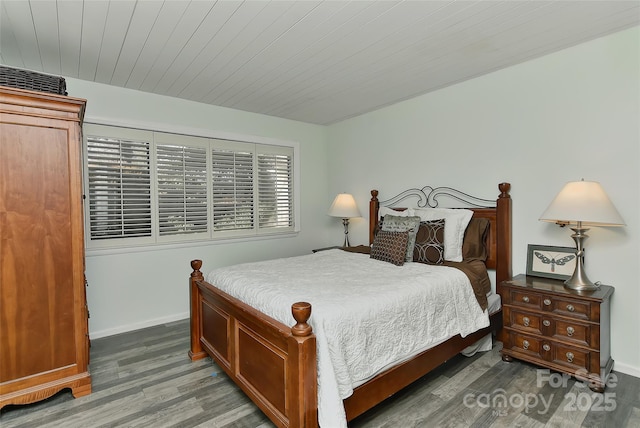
(547, 261)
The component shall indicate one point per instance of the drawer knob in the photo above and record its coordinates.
(546, 347)
(570, 308)
(569, 357)
(570, 331)
(547, 302)
(525, 299)
(525, 344)
(526, 321)
(546, 323)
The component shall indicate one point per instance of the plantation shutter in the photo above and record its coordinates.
(232, 186)
(145, 187)
(119, 186)
(181, 172)
(275, 187)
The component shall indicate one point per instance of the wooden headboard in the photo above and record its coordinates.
(497, 211)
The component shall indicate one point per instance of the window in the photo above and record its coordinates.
(147, 187)
(275, 192)
(119, 183)
(181, 185)
(233, 187)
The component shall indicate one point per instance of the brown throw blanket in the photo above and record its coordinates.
(477, 273)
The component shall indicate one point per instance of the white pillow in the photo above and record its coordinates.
(456, 221)
(383, 211)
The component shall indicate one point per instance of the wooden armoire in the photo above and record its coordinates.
(44, 342)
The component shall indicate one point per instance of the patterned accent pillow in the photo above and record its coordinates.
(429, 247)
(390, 247)
(394, 223)
(457, 221)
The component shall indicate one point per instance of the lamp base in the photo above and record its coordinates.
(580, 285)
(345, 223)
(579, 280)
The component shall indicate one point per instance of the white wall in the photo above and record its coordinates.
(135, 289)
(566, 116)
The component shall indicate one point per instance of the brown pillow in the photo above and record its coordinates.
(473, 246)
(390, 247)
(429, 247)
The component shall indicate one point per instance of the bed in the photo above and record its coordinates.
(276, 364)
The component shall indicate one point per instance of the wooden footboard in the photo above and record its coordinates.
(275, 365)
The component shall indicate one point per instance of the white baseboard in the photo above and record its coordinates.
(137, 326)
(626, 369)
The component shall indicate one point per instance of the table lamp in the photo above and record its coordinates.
(581, 203)
(344, 206)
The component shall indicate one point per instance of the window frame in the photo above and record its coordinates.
(195, 136)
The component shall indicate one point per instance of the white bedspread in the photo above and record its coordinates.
(366, 314)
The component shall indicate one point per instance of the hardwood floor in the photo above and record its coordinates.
(145, 379)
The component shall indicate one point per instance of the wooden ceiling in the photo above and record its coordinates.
(312, 61)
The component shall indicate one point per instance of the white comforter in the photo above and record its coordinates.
(366, 314)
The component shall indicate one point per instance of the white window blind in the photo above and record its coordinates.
(118, 188)
(232, 187)
(275, 187)
(147, 187)
(182, 189)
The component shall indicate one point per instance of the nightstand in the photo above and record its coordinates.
(564, 330)
(326, 248)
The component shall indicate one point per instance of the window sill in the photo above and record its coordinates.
(95, 252)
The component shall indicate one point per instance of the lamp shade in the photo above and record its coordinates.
(583, 201)
(344, 206)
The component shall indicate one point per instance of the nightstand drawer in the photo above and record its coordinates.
(526, 344)
(571, 331)
(526, 321)
(561, 306)
(568, 307)
(571, 357)
(546, 350)
(525, 299)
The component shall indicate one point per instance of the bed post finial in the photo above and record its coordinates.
(505, 188)
(301, 312)
(196, 265)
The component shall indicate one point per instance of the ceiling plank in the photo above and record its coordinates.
(191, 60)
(117, 26)
(225, 39)
(94, 16)
(187, 25)
(47, 34)
(18, 14)
(165, 24)
(144, 17)
(70, 33)
(9, 48)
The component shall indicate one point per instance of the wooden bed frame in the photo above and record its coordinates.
(275, 364)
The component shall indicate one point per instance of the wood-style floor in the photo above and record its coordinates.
(145, 379)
